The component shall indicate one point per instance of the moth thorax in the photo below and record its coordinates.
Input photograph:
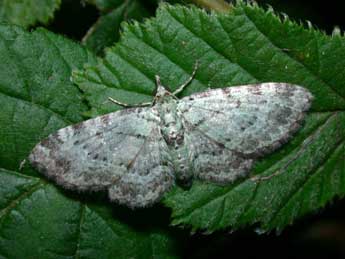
(173, 135)
(169, 119)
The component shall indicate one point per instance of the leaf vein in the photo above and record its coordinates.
(305, 181)
(58, 50)
(295, 60)
(81, 221)
(299, 188)
(170, 60)
(210, 46)
(14, 202)
(17, 98)
(18, 65)
(113, 70)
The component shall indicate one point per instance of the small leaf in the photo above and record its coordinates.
(28, 12)
(38, 220)
(106, 31)
(245, 46)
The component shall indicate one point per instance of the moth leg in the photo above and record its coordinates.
(129, 105)
(264, 178)
(22, 164)
(180, 89)
(258, 178)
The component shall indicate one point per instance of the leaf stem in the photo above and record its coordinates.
(216, 5)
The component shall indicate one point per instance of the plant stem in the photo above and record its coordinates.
(216, 5)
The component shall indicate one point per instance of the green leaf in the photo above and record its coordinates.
(38, 220)
(244, 46)
(36, 93)
(106, 30)
(28, 12)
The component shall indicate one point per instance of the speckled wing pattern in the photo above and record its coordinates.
(122, 152)
(137, 154)
(227, 129)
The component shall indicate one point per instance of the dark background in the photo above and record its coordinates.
(321, 235)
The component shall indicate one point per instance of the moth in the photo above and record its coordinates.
(137, 154)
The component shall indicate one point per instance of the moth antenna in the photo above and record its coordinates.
(129, 105)
(158, 80)
(22, 164)
(189, 80)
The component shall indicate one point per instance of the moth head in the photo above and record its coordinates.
(161, 91)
